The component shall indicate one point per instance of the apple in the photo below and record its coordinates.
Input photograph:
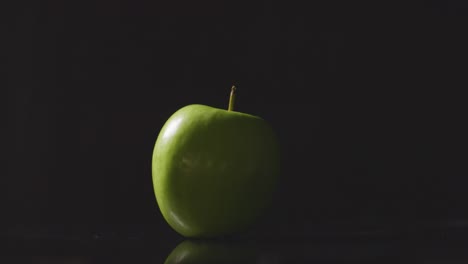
(212, 252)
(214, 171)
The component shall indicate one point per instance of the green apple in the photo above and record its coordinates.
(212, 252)
(214, 171)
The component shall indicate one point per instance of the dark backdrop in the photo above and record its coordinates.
(366, 99)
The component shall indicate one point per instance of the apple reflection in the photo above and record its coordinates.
(194, 251)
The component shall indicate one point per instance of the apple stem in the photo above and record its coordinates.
(232, 98)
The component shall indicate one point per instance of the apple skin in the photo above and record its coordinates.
(214, 171)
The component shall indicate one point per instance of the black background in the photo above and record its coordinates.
(366, 99)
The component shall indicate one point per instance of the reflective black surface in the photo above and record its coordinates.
(422, 244)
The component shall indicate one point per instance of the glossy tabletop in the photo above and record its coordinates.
(130, 246)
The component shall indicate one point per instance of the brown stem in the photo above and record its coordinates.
(232, 98)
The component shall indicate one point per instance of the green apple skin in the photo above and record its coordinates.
(212, 252)
(214, 171)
